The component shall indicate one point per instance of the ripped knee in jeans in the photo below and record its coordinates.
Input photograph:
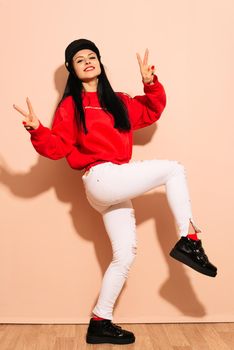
(195, 227)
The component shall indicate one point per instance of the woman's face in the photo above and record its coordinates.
(84, 59)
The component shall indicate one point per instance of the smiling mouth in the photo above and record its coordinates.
(88, 69)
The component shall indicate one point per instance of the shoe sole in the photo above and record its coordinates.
(185, 260)
(99, 340)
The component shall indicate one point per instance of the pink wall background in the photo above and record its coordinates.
(54, 249)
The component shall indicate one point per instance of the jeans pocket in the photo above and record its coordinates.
(87, 174)
(97, 183)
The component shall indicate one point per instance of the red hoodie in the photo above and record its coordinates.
(103, 143)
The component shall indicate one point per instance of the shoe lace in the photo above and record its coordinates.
(113, 326)
(200, 253)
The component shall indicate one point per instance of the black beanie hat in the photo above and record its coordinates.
(78, 45)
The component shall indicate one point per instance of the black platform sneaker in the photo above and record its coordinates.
(104, 331)
(191, 253)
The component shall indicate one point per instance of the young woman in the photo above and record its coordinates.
(92, 128)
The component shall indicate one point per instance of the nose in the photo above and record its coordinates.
(87, 60)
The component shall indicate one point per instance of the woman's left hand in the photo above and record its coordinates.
(147, 71)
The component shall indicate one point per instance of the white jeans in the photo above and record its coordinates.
(109, 189)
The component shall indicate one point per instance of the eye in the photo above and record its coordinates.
(92, 57)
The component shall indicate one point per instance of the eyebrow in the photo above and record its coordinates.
(92, 53)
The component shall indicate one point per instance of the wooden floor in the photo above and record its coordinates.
(188, 336)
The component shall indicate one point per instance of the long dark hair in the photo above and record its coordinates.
(107, 97)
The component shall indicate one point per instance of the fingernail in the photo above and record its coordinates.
(152, 67)
(24, 123)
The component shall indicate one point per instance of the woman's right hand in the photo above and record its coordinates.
(30, 119)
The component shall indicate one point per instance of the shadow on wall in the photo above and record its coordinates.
(68, 185)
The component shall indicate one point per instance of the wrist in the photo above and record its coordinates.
(151, 82)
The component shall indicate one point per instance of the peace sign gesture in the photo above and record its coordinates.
(147, 71)
(30, 119)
